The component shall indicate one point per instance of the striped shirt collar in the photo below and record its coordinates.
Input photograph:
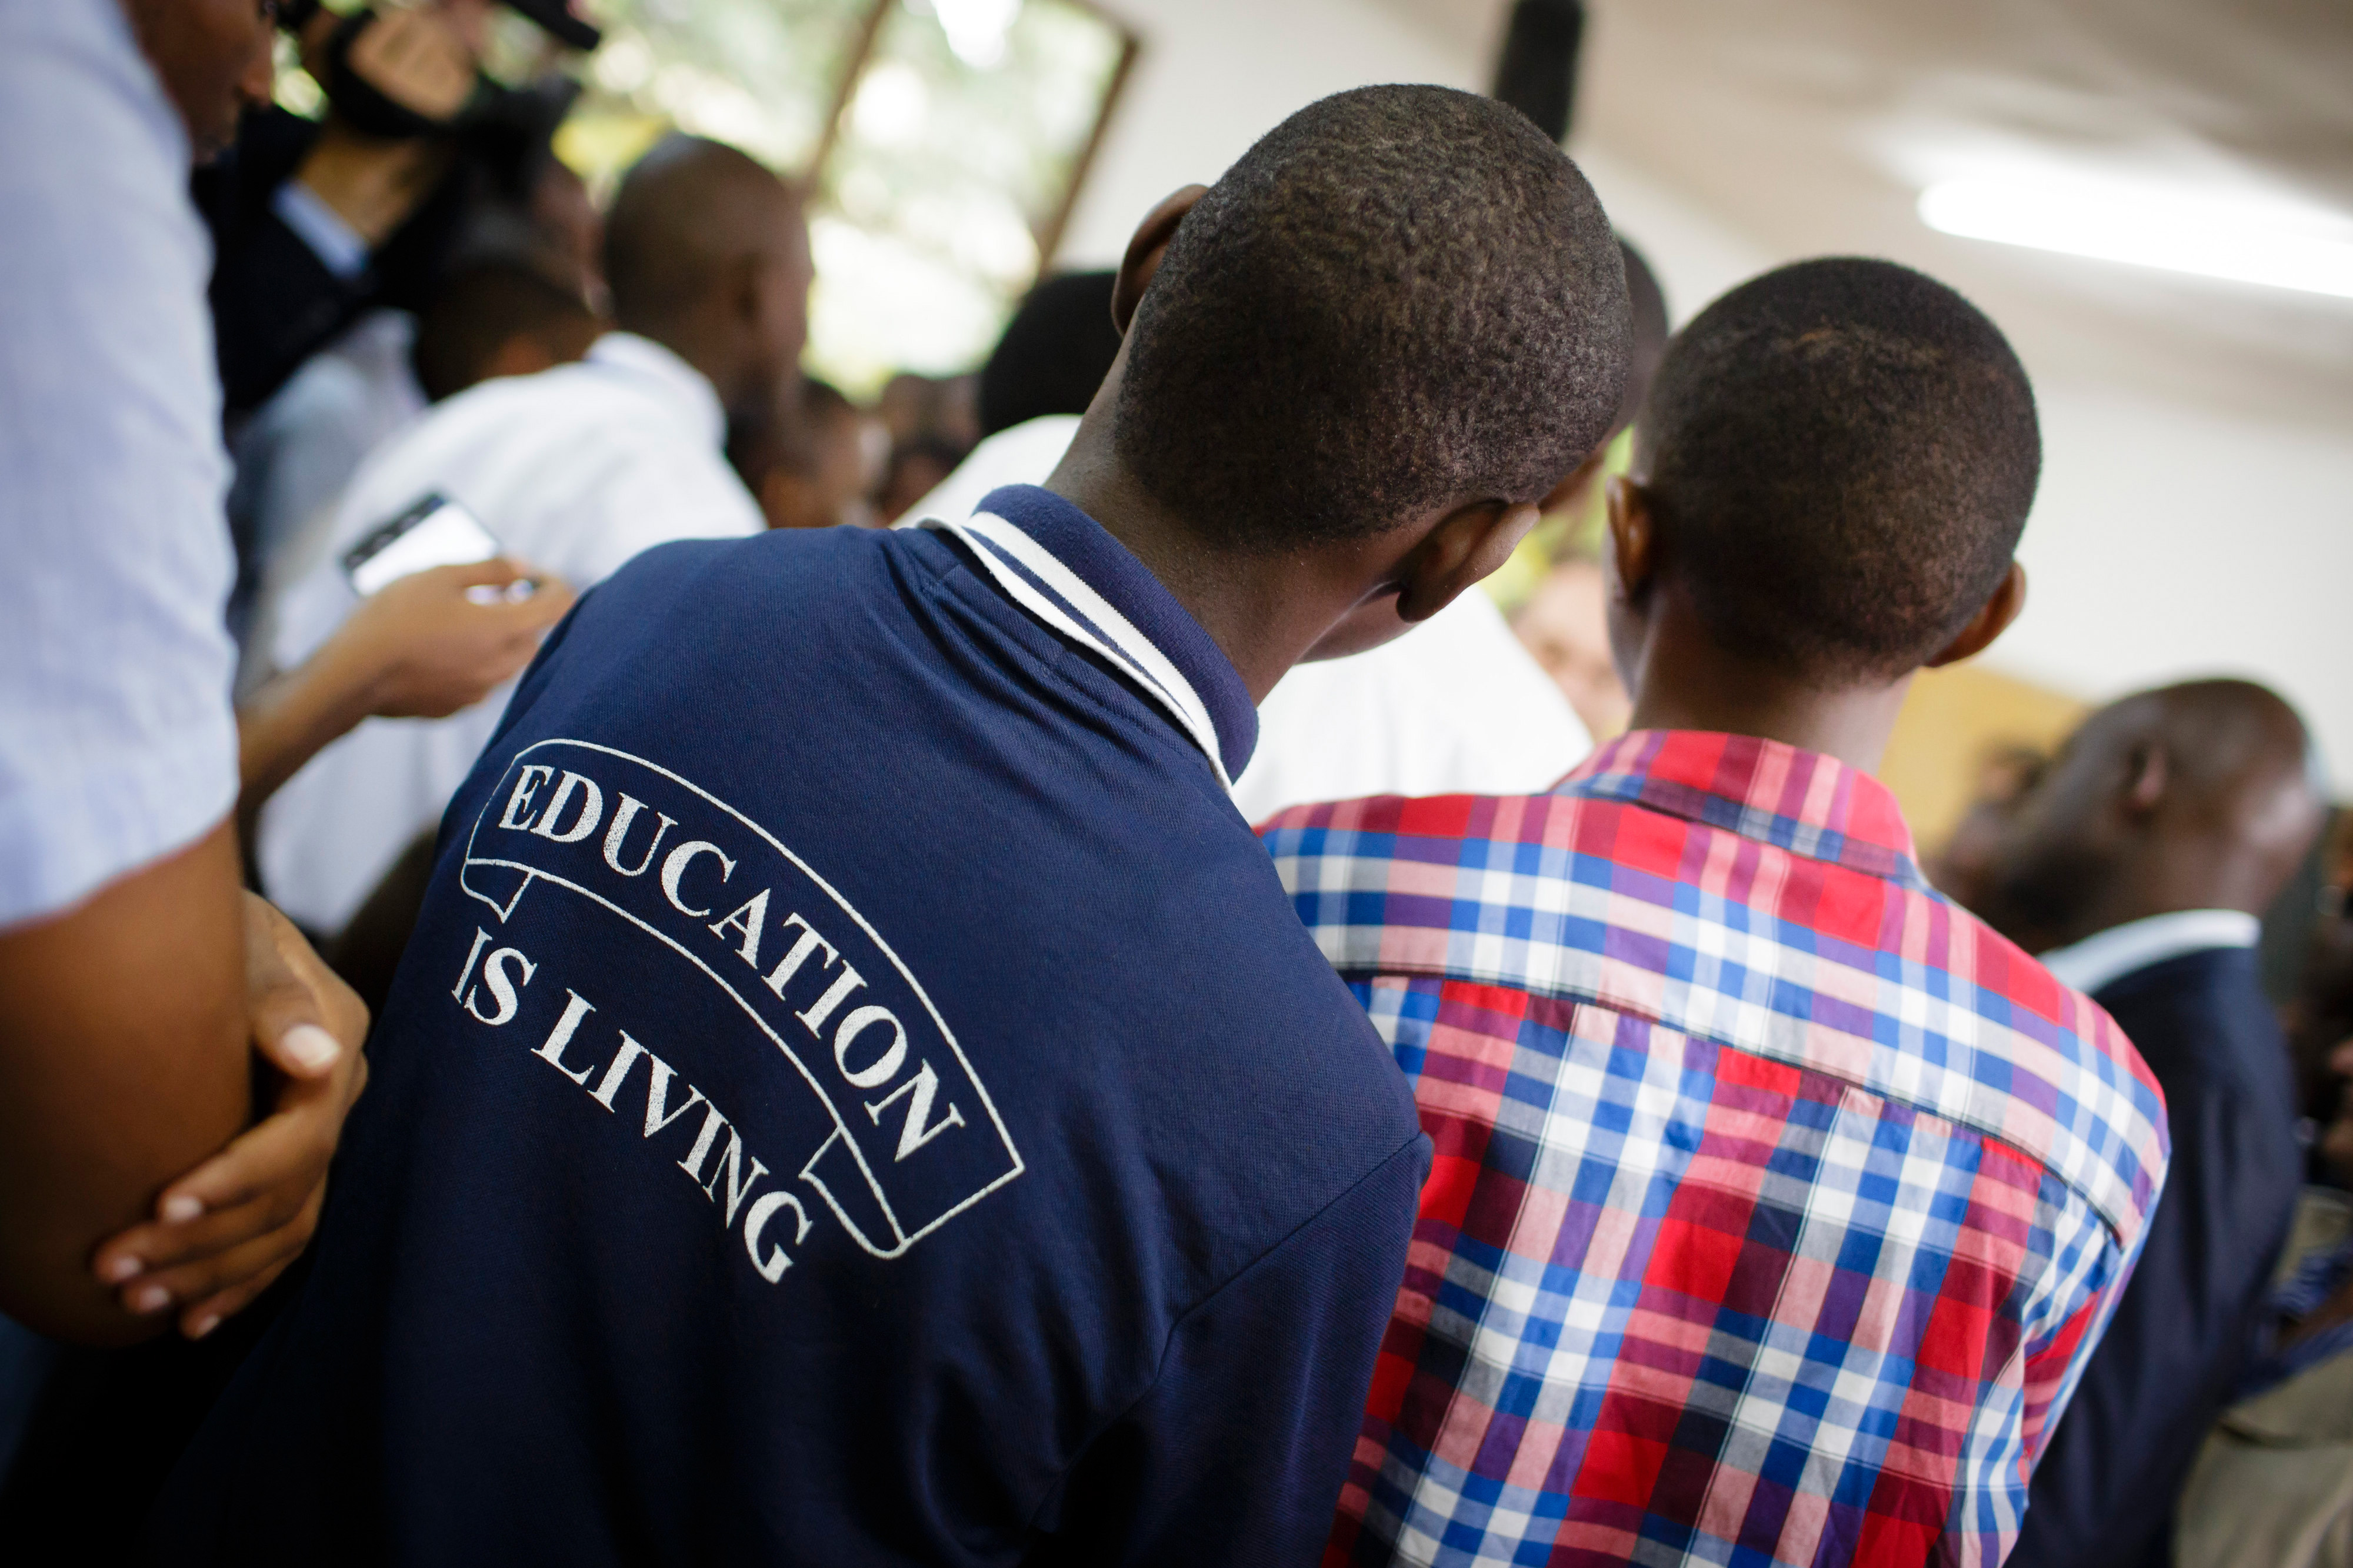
(1801, 801)
(1066, 569)
(2107, 956)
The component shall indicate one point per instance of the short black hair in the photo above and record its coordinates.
(1399, 298)
(1054, 355)
(477, 309)
(1647, 304)
(1840, 454)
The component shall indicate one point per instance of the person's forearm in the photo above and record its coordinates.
(294, 718)
(122, 1063)
(373, 187)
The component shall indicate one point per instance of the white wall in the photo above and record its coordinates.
(1215, 75)
(2167, 540)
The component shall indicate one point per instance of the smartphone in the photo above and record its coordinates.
(436, 531)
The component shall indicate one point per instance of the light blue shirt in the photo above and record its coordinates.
(117, 741)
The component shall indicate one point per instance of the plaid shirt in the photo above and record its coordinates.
(1777, 1203)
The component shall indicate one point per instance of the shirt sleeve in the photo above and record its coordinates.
(2163, 1370)
(118, 744)
(658, 496)
(1236, 1454)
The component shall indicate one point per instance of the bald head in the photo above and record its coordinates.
(2201, 796)
(705, 252)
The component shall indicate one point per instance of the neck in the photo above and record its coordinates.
(716, 354)
(2164, 880)
(1264, 612)
(1685, 680)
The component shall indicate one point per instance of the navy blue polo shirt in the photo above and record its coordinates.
(857, 1094)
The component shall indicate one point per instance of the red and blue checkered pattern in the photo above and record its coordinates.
(1777, 1203)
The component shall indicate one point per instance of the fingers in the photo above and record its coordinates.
(147, 1253)
(243, 1272)
(496, 572)
(244, 1209)
(304, 1019)
(415, 60)
(546, 605)
(286, 1155)
(209, 1314)
(200, 1278)
(258, 1183)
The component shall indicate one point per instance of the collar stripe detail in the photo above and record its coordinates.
(2110, 955)
(1012, 558)
(982, 541)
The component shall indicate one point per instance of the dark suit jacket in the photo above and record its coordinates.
(2103, 1495)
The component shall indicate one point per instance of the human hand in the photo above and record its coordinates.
(425, 647)
(226, 1229)
(417, 59)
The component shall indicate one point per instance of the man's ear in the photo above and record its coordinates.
(1993, 619)
(1144, 251)
(2146, 772)
(1633, 558)
(1468, 544)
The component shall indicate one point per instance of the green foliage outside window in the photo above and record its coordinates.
(947, 138)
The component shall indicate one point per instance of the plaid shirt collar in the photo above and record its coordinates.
(1801, 801)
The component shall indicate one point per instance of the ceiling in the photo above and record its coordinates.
(1809, 126)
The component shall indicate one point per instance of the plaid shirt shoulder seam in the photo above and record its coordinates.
(2127, 1236)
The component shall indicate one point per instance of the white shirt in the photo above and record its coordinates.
(117, 742)
(301, 449)
(574, 471)
(1455, 706)
(2108, 956)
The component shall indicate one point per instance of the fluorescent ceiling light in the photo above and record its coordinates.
(2243, 244)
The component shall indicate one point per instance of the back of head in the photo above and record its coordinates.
(480, 310)
(1054, 355)
(2204, 794)
(1839, 455)
(1402, 298)
(686, 215)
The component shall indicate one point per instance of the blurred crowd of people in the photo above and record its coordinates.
(1760, 1190)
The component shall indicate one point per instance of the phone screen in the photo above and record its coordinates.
(436, 531)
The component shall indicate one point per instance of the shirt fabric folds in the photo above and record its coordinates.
(1777, 1202)
(2103, 1495)
(856, 1094)
(117, 742)
(573, 470)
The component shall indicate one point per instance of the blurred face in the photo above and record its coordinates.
(1963, 867)
(2054, 844)
(786, 272)
(1567, 626)
(213, 58)
(569, 224)
(820, 496)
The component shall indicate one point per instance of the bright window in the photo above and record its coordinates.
(948, 138)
